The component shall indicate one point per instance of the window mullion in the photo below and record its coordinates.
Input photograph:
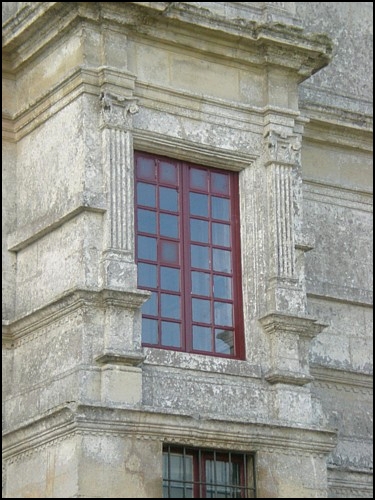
(185, 256)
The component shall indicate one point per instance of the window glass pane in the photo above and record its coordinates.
(170, 334)
(147, 275)
(168, 199)
(220, 234)
(222, 287)
(198, 178)
(202, 338)
(224, 341)
(169, 252)
(201, 311)
(146, 194)
(149, 331)
(146, 248)
(220, 183)
(222, 260)
(170, 306)
(167, 172)
(151, 305)
(200, 283)
(180, 469)
(146, 221)
(199, 230)
(146, 168)
(199, 204)
(169, 225)
(223, 313)
(220, 208)
(200, 257)
(170, 279)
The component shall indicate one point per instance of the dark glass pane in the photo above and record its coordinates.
(198, 178)
(202, 338)
(224, 341)
(170, 279)
(151, 305)
(169, 252)
(200, 283)
(170, 334)
(220, 208)
(146, 248)
(199, 204)
(222, 260)
(167, 173)
(146, 194)
(147, 275)
(220, 234)
(146, 221)
(200, 257)
(170, 306)
(168, 199)
(149, 331)
(222, 287)
(223, 313)
(169, 225)
(220, 183)
(146, 169)
(201, 311)
(199, 230)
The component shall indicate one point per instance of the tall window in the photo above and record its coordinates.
(195, 473)
(188, 256)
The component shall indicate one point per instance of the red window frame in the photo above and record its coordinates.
(198, 484)
(188, 232)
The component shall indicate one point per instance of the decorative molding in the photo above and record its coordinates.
(283, 149)
(68, 303)
(301, 52)
(281, 201)
(350, 483)
(288, 377)
(329, 376)
(289, 343)
(75, 419)
(332, 194)
(82, 202)
(330, 292)
(127, 359)
(152, 142)
(302, 326)
(117, 111)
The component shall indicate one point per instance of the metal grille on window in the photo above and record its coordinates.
(195, 473)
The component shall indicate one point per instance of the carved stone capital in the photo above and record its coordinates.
(299, 325)
(283, 149)
(117, 110)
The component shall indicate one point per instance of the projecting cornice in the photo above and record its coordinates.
(248, 41)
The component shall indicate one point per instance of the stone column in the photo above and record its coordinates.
(273, 201)
(122, 353)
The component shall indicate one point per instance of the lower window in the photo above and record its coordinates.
(196, 473)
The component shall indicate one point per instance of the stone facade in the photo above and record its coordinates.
(253, 87)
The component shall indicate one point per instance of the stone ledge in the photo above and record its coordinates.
(288, 377)
(123, 359)
(333, 375)
(82, 202)
(68, 302)
(172, 428)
